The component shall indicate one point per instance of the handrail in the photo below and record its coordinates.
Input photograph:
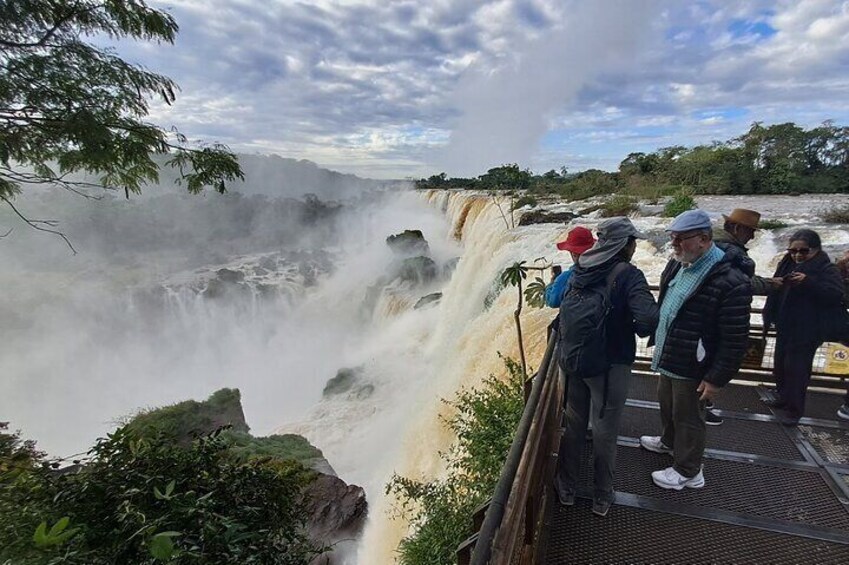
(483, 548)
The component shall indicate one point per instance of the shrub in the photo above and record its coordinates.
(525, 200)
(440, 511)
(680, 202)
(772, 224)
(836, 215)
(144, 500)
(619, 205)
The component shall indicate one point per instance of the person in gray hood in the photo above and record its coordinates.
(633, 310)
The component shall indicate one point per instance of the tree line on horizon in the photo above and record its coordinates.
(775, 159)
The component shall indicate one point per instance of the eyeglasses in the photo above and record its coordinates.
(679, 239)
(799, 251)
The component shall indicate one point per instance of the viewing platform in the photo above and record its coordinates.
(773, 494)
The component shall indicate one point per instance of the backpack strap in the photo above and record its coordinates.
(614, 273)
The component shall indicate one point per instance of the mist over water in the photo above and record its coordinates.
(132, 320)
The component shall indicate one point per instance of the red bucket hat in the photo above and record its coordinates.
(578, 241)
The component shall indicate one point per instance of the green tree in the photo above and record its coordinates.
(145, 499)
(69, 106)
(506, 177)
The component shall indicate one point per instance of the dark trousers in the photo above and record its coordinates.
(792, 372)
(583, 402)
(682, 415)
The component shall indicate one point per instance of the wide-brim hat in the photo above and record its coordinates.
(578, 241)
(743, 217)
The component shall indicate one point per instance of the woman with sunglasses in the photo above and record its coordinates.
(809, 297)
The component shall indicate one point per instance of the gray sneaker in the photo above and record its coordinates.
(601, 507)
(843, 412)
(653, 443)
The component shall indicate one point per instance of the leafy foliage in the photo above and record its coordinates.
(775, 159)
(525, 200)
(67, 106)
(535, 293)
(484, 423)
(772, 224)
(680, 202)
(143, 499)
(619, 205)
(514, 274)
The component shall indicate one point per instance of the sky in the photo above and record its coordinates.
(412, 88)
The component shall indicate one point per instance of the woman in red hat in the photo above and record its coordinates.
(579, 240)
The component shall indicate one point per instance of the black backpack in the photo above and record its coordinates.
(583, 336)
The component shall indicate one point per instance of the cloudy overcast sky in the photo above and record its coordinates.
(410, 88)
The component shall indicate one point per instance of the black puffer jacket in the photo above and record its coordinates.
(802, 313)
(717, 315)
(739, 257)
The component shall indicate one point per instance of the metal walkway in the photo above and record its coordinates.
(773, 494)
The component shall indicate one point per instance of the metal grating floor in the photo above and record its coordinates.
(767, 439)
(633, 535)
(832, 445)
(772, 494)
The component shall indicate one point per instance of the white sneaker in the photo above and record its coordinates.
(653, 443)
(669, 478)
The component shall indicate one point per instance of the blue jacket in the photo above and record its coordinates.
(554, 292)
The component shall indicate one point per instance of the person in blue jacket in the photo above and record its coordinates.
(579, 240)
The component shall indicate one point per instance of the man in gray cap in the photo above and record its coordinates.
(608, 301)
(700, 342)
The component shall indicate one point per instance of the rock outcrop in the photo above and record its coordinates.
(432, 298)
(408, 243)
(336, 510)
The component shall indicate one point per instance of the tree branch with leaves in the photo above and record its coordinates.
(70, 107)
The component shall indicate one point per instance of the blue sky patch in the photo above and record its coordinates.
(744, 28)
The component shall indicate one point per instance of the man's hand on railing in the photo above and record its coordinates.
(708, 390)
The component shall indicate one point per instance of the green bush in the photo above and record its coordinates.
(619, 205)
(525, 200)
(146, 500)
(772, 224)
(836, 215)
(680, 202)
(441, 510)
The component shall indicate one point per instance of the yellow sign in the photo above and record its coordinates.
(836, 359)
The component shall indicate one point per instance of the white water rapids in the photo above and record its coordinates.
(80, 345)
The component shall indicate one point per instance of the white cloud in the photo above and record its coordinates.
(352, 83)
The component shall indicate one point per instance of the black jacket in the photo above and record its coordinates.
(739, 257)
(717, 315)
(801, 313)
(634, 308)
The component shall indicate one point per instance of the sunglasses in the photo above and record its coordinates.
(679, 239)
(799, 251)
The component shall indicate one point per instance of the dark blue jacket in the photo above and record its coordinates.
(634, 308)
